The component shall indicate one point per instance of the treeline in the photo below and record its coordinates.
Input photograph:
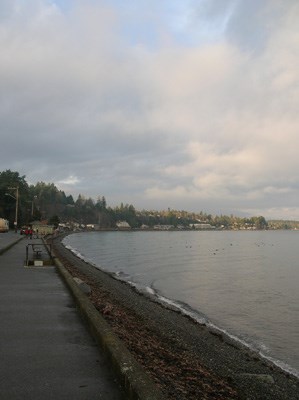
(283, 224)
(45, 202)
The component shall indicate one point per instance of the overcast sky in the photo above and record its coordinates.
(187, 104)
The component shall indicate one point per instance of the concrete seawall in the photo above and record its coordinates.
(186, 359)
(137, 384)
(46, 351)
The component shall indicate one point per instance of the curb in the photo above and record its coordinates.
(4, 249)
(136, 383)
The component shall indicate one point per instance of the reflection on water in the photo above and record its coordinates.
(245, 282)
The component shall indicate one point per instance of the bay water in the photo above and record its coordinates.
(246, 283)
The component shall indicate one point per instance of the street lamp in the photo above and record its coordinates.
(17, 204)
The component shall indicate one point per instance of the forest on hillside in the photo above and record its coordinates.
(45, 202)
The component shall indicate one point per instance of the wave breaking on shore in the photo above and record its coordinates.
(185, 309)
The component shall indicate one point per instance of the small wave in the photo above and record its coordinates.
(122, 275)
(80, 255)
(169, 303)
(280, 364)
(150, 290)
(201, 319)
(258, 348)
(184, 309)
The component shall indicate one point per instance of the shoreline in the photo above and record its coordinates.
(192, 314)
(168, 344)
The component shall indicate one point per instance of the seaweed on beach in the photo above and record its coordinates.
(186, 360)
(174, 369)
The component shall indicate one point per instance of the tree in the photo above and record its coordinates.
(260, 222)
(54, 220)
(9, 180)
(80, 201)
(101, 203)
(70, 200)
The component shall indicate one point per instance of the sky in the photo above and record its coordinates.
(189, 105)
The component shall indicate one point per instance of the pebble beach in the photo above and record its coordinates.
(187, 360)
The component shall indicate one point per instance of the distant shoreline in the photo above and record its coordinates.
(173, 230)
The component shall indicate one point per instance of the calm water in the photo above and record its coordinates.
(245, 283)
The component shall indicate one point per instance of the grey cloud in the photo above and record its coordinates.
(248, 24)
(6, 9)
(201, 127)
(252, 23)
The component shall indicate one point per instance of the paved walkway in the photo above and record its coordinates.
(45, 349)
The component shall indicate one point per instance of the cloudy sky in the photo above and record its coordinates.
(187, 104)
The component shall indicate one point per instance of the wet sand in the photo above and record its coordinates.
(185, 359)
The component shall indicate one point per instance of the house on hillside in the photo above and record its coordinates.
(202, 226)
(123, 225)
(42, 228)
(163, 227)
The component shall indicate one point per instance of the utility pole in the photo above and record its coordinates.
(17, 204)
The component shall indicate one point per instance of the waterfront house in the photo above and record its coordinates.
(123, 225)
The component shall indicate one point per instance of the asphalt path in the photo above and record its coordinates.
(46, 350)
(8, 238)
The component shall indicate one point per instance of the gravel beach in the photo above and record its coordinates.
(185, 359)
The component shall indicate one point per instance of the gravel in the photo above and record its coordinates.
(185, 359)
